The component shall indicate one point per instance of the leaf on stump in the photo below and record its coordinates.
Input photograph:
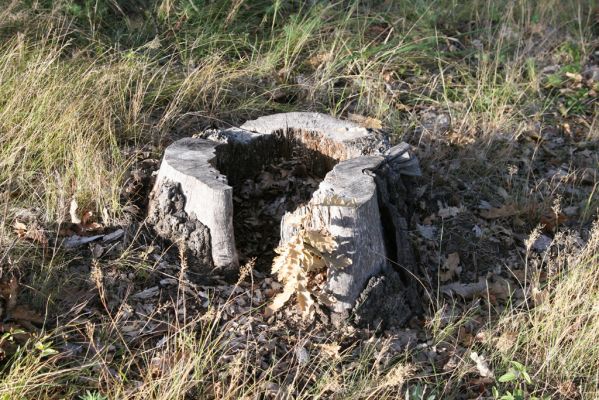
(306, 254)
(304, 301)
(280, 300)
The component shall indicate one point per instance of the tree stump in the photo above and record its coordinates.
(361, 201)
(191, 199)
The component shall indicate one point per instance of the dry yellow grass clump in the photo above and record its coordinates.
(558, 335)
(497, 98)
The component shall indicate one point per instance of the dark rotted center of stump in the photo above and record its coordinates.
(270, 176)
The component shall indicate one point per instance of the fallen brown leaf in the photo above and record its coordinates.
(501, 288)
(482, 365)
(465, 338)
(366, 122)
(539, 296)
(318, 59)
(450, 268)
(87, 224)
(331, 350)
(506, 210)
(574, 77)
(482, 382)
(447, 212)
(506, 341)
(465, 290)
(66, 231)
(551, 221)
(568, 389)
(22, 313)
(20, 229)
(521, 275)
(82, 223)
(32, 232)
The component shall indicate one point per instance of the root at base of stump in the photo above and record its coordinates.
(382, 304)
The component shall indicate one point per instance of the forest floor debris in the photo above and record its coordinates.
(498, 101)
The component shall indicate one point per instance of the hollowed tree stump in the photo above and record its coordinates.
(361, 201)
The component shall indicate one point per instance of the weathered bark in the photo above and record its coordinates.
(170, 221)
(206, 196)
(331, 137)
(393, 296)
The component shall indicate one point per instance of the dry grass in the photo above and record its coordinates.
(558, 335)
(84, 90)
(79, 105)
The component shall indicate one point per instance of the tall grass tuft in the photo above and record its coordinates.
(558, 336)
